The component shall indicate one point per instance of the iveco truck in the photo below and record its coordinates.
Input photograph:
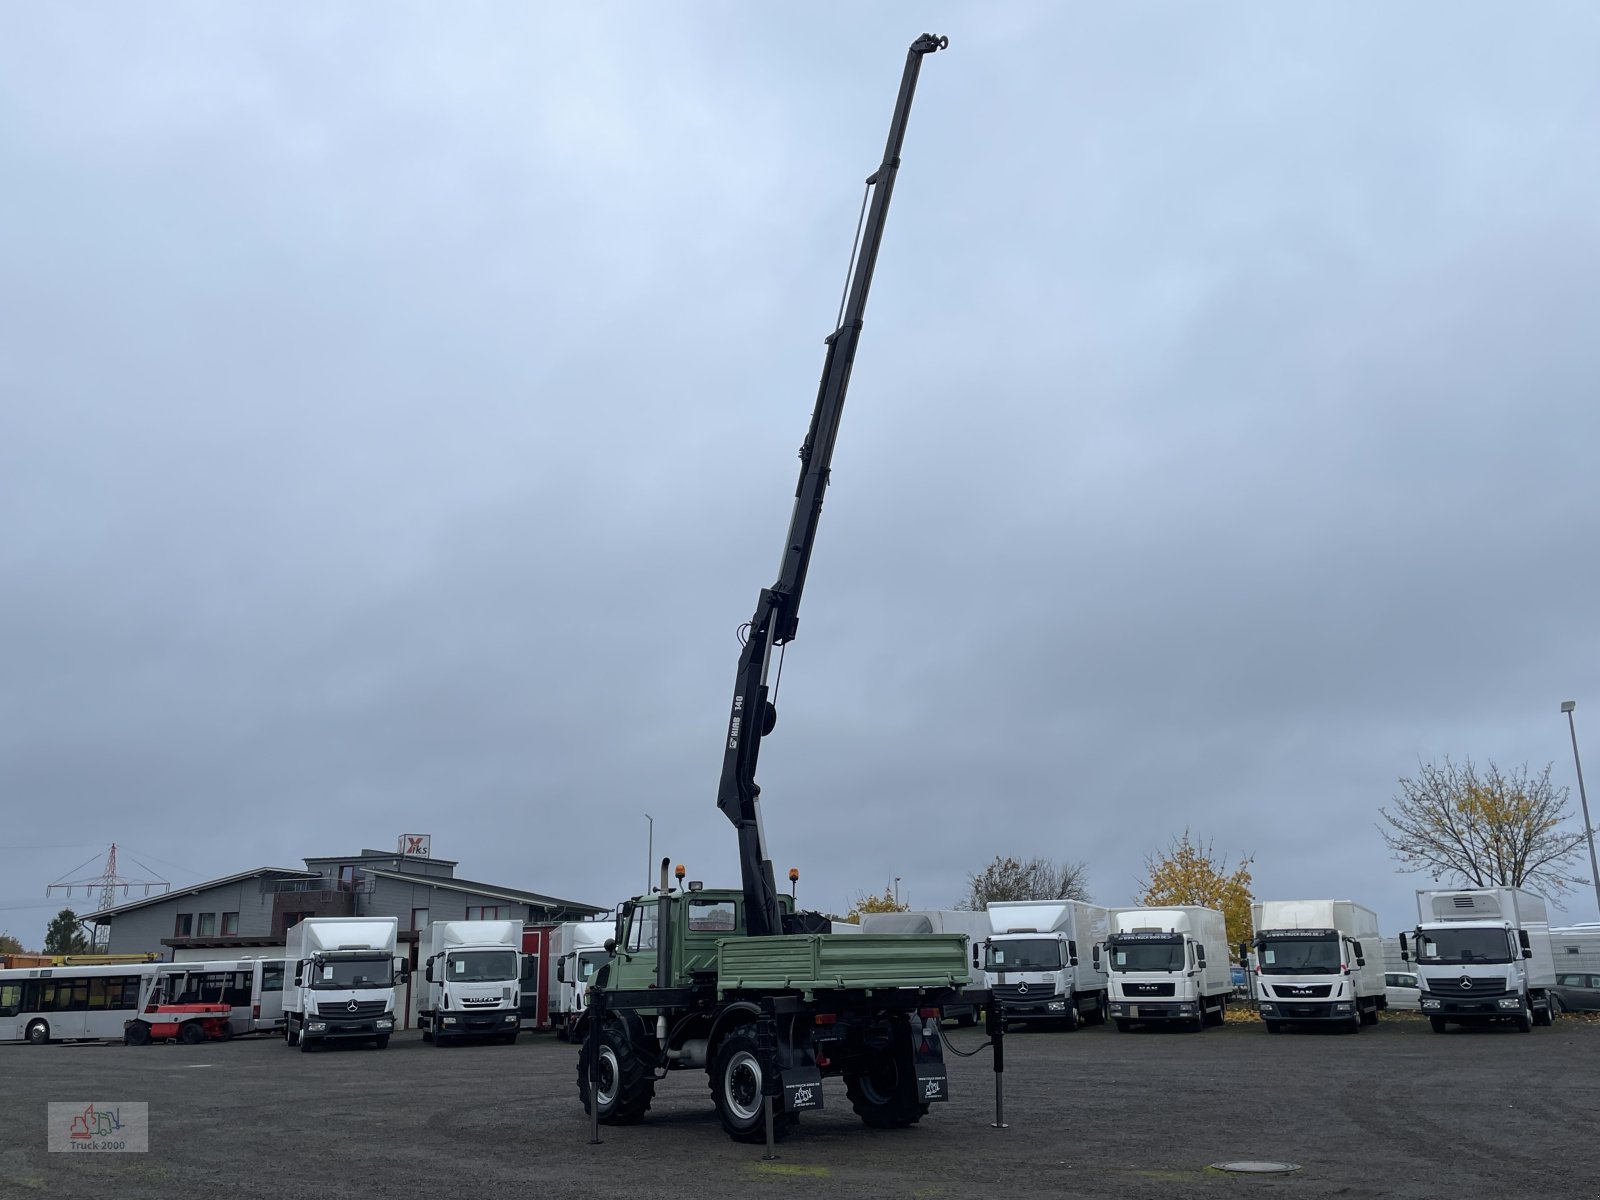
(1168, 966)
(1043, 961)
(577, 948)
(342, 973)
(474, 987)
(1483, 955)
(1318, 962)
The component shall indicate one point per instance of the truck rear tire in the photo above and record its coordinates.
(626, 1085)
(885, 1094)
(736, 1090)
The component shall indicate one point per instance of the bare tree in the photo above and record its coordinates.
(1484, 828)
(1037, 879)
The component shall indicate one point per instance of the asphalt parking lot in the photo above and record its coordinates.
(1393, 1111)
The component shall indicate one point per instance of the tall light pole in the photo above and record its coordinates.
(649, 853)
(1583, 798)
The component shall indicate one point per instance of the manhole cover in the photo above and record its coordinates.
(1248, 1167)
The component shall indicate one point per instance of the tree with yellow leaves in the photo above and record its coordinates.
(1191, 873)
(888, 902)
(1484, 828)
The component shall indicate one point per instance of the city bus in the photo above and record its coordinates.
(63, 1004)
(252, 987)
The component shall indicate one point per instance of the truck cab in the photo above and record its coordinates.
(1483, 955)
(1168, 965)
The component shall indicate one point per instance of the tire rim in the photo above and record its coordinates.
(741, 1086)
(606, 1090)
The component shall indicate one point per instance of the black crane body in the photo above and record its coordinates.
(777, 610)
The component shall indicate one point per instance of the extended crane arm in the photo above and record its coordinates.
(777, 611)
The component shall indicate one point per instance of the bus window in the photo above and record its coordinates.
(272, 977)
(10, 999)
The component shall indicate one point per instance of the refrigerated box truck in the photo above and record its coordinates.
(1483, 955)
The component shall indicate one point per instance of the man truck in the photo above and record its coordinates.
(1319, 962)
(1483, 955)
(736, 983)
(1043, 961)
(1168, 965)
(341, 974)
(473, 975)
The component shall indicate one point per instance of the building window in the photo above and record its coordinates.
(291, 919)
(419, 918)
(230, 924)
(347, 878)
(208, 925)
(184, 925)
(486, 912)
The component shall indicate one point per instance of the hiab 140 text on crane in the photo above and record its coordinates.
(736, 983)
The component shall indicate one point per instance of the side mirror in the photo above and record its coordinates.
(1096, 957)
(427, 971)
(1526, 952)
(1405, 949)
(297, 976)
(561, 971)
(610, 945)
(1199, 955)
(1361, 960)
(1072, 953)
(403, 967)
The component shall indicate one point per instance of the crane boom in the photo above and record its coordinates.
(777, 610)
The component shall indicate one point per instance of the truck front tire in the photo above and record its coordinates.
(1437, 1023)
(736, 1081)
(626, 1085)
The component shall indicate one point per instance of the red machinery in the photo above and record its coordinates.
(187, 1023)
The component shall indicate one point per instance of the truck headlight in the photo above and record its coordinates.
(1511, 1002)
(1343, 1007)
(449, 1020)
(384, 1022)
(1429, 1002)
(1185, 1008)
(1055, 1006)
(317, 1027)
(511, 1018)
(1268, 1010)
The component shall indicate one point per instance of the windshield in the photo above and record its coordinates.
(481, 966)
(587, 963)
(1299, 956)
(1147, 956)
(1463, 946)
(1024, 954)
(353, 973)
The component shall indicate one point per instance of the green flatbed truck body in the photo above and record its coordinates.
(820, 962)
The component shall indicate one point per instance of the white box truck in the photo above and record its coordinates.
(473, 973)
(973, 924)
(577, 950)
(1318, 962)
(341, 974)
(1168, 965)
(1042, 963)
(1482, 955)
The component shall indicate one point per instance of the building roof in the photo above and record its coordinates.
(491, 890)
(173, 893)
(366, 854)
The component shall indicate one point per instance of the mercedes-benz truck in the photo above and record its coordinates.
(1483, 955)
(342, 973)
(1043, 961)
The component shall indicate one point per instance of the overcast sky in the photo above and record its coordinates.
(399, 406)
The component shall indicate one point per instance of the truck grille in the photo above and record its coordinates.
(1302, 991)
(1467, 988)
(343, 1012)
(1136, 991)
(1013, 993)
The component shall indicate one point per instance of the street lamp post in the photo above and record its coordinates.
(1583, 798)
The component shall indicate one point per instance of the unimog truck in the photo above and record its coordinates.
(737, 984)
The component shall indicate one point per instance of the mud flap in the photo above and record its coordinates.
(802, 1088)
(932, 1083)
